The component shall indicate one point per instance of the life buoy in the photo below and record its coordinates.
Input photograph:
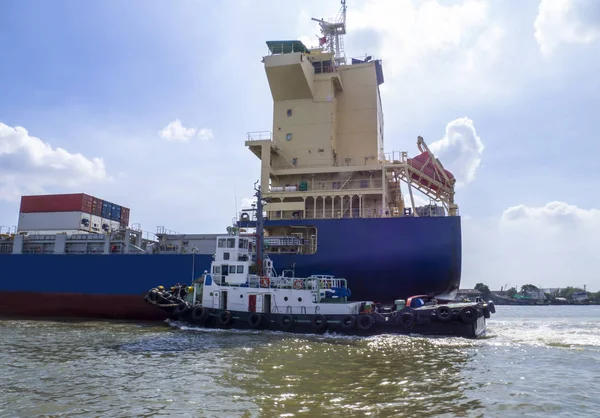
(287, 322)
(469, 314)
(298, 284)
(365, 322)
(319, 321)
(225, 318)
(254, 320)
(443, 313)
(199, 314)
(265, 281)
(348, 322)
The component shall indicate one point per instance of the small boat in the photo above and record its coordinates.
(243, 291)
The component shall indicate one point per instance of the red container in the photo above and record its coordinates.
(96, 206)
(124, 216)
(56, 203)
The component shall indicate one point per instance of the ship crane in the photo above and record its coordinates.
(333, 35)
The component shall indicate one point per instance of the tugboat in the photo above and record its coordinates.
(238, 293)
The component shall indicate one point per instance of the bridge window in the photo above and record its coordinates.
(242, 244)
(240, 269)
(216, 269)
(230, 242)
(225, 256)
(222, 242)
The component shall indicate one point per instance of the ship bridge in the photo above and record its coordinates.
(324, 156)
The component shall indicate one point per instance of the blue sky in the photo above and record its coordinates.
(515, 79)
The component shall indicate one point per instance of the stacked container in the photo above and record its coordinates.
(70, 212)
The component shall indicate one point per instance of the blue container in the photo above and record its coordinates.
(115, 213)
(106, 209)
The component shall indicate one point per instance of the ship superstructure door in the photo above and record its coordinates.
(251, 303)
(266, 305)
(223, 300)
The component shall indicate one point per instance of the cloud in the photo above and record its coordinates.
(460, 150)
(29, 165)
(566, 22)
(554, 245)
(453, 47)
(175, 131)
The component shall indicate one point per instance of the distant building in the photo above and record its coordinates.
(536, 294)
(580, 297)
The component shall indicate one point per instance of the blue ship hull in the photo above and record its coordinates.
(382, 259)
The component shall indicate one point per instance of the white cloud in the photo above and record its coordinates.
(29, 165)
(458, 43)
(175, 131)
(555, 245)
(460, 150)
(566, 21)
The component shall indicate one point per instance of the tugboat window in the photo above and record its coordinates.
(225, 256)
(232, 269)
(230, 242)
(288, 137)
(222, 242)
(240, 269)
(299, 299)
(289, 112)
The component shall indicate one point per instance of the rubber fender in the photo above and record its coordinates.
(406, 317)
(486, 312)
(225, 318)
(443, 313)
(365, 322)
(199, 314)
(181, 310)
(255, 319)
(492, 306)
(469, 314)
(287, 322)
(348, 322)
(319, 321)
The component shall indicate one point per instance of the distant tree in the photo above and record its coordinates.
(527, 288)
(568, 291)
(511, 292)
(484, 289)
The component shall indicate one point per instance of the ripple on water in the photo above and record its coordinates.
(527, 365)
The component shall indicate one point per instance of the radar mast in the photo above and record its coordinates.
(333, 34)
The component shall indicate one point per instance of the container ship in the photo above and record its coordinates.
(335, 206)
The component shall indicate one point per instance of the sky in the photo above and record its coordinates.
(148, 104)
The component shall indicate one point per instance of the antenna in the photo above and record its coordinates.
(332, 34)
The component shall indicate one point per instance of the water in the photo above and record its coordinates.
(535, 361)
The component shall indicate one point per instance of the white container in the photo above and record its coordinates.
(96, 224)
(52, 221)
(277, 189)
(290, 188)
(105, 225)
(114, 225)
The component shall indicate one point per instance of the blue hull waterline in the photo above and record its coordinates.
(407, 256)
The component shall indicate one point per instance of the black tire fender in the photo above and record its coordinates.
(287, 322)
(365, 322)
(469, 314)
(443, 313)
(199, 314)
(348, 322)
(255, 320)
(225, 318)
(319, 321)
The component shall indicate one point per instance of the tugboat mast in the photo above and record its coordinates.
(259, 228)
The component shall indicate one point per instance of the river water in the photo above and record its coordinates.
(535, 361)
